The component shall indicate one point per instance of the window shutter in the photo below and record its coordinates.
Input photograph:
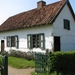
(16, 42)
(66, 24)
(8, 41)
(29, 41)
(12, 41)
(42, 41)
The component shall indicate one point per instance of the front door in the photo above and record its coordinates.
(56, 43)
(2, 45)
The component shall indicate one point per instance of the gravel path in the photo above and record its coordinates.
(14, 71)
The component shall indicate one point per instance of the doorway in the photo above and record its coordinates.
(2, 45)
(57, 43)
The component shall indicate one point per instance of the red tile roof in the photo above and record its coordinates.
(35, 17)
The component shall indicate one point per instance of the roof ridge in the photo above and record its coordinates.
(34, 9)
(64, 2)
(35, 17)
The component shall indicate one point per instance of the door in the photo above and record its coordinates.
(2, 45)
(56, 43)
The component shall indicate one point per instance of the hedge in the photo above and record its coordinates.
(15, 53)
(63, 62)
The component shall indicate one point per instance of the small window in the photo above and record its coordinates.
(36, 41)
(12, 41)
(66, 24)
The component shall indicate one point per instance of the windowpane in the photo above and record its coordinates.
(28, 38)
(66, 24)
(41, 44)
(42, 41)
(29, 44)
(12, 41)
(41, 37)
(34, 41)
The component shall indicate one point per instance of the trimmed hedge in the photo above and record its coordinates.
(63, 62)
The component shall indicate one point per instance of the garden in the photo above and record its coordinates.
(61, 63)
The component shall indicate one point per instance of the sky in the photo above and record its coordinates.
(9, 8)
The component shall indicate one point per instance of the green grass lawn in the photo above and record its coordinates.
(20, 63)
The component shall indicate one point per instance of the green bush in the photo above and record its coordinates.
(0, 60)
(63, 62)
(28, 55)
(5, 53)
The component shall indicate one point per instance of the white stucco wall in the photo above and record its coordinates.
(67, 37)
(22, 34)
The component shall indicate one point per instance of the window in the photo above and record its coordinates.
(36, 41)
(66, 24)
(12, 41)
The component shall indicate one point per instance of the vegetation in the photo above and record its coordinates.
(33, 73)
(29, 55)
(20, 62)
(63, 62)
(18, 59)
(0, 60)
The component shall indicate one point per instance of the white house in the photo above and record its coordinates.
(49, 26)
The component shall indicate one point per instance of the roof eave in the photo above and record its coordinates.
(71, 10)
(67, 2)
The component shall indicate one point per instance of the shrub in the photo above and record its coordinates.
(17, 54)
(0, 61)
(63, 62)
(29, 55)
(12, 53)
(5, 53)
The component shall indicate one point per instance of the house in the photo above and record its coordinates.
(49, 26)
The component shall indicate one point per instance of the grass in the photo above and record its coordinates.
(20, 63)
(54, 73)
(33, 73)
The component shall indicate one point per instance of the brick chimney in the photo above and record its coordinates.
(40, 4)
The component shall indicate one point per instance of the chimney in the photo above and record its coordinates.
(40, 4)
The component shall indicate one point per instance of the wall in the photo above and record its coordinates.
(67, 36)
(22, 34)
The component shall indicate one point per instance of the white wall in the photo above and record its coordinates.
(67, 36)
(22, 34)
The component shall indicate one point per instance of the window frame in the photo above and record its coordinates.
(39, 40)
(66, 24)
(10, 42)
